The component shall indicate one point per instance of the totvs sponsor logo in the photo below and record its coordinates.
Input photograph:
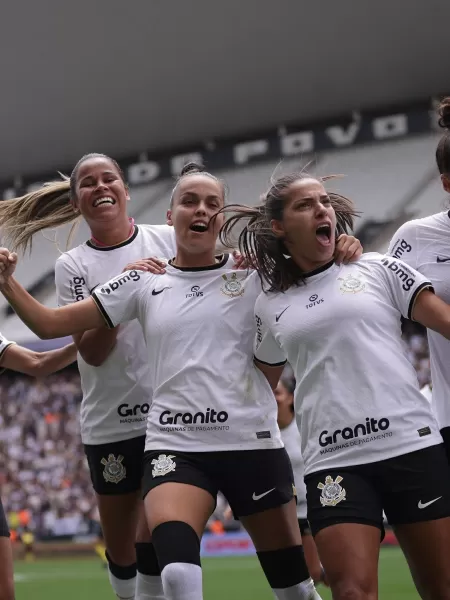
(362, 433)
(76, 287)
(401, 271)
(120, 280)
(133, 414)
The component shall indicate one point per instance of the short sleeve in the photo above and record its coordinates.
(266, 348)
(404, 245)
(118, 299)
(403, 283)
(70, 285)
(4, 344)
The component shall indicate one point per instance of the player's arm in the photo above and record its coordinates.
(432, 312)
(38, 364)
(268, 356)
(271, 372)
(94, 345)
(49, 323)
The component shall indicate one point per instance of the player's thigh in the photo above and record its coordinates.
(119, 517)
(6, 560)
(259, 486)
(177, 487)
(345, 515)
(116, 472)
(417, 505)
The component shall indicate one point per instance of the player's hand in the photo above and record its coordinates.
(348, 249)
(240, 263)
(8, 262)
(152, 265)
(228, 513)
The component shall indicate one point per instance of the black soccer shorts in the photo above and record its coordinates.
(410, 488)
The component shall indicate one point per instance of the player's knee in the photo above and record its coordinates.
(176, 542)
(353, 589)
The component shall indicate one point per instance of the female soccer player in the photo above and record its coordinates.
(369, 438)
(212, 422)
(284, 395)
(112, 363)
(36, 364)
(424, 244)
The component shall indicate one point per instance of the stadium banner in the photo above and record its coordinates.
(240, 544)
(285, 141)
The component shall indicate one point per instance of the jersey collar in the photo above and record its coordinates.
(319, 270)
(121, 245)
(222, 262)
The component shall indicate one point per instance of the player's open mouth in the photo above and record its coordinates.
(323, 234)
(199, 226)
(104, 200)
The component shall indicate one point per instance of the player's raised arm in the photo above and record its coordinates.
(46, 323)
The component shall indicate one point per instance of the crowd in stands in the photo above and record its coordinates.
(44, 478)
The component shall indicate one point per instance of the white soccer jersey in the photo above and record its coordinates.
(292, 442)
(424, 244)
(199, 328)
(357, 393)
(117, 394)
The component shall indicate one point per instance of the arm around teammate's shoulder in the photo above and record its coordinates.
(49, 323)
(432, 312)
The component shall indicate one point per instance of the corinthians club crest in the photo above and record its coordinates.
(232, 286)
(352, 284)
(163, 465)
(332, 492)
(114, 470)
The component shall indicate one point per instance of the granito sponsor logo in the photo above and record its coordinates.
(115, 283)
(400, 248)
(401, 271)
(362, 433)
(76, 288)
(137, 413)
(203, 421)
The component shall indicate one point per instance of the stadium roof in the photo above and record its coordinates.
(122, 77)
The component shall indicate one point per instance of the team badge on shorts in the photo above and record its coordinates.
(114, 470)
(352, 284)
(163, 465)
(332, 492)
(232, 286)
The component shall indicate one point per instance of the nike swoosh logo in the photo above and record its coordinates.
(439, 259)
(255, 497)
(420, 505)
(155, 293)
(278, 317)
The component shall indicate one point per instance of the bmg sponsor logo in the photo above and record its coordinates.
(76, 288)
(370, 427)
(400, 247)
(120, 280)
(401, 271)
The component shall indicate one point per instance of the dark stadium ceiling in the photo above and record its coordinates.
(123, 76)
